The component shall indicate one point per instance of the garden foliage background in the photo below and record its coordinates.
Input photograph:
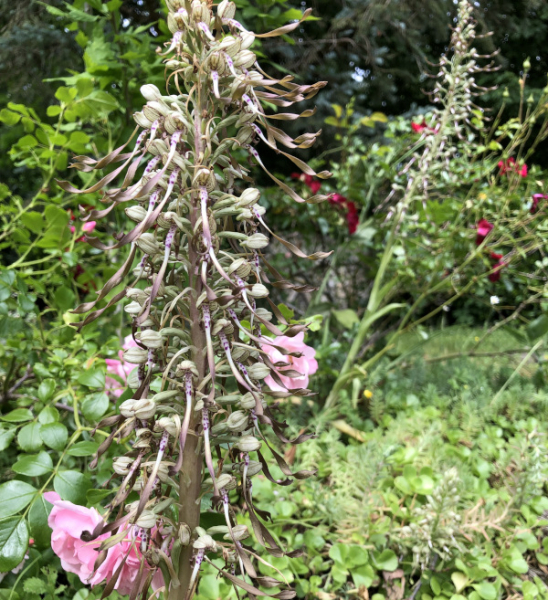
(429, 320)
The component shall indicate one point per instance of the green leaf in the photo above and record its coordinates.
(56, 217)
(338, 553)
(347, 317)
(34, 465)
(19, 415)
(537, 328)
(71, 486)
(65, 94)
(64, 298)
(95, 406)
(518, 564)
(8, 117)
(6, 437)
(35, 585)
(14, 541)
(95, 496)
(29, 437)
(46, 389)
(54, 110)
(363, 576)
(15, 496)
(385, 560)
(27, 141)
(287, 313)
(83, 449)
(435, 586)
(38, 522)
(460, 581)
(49, 414)
(101, 103)
(54, 435)
(93, 378)
(33, 221)
(486, 590)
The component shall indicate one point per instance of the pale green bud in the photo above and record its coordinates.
(147, 520)
(238, 421)
(248, 443)
(148, 244)
(258, 291)
(257, 241)
(136, 356)
(151, 92)
(150, 338)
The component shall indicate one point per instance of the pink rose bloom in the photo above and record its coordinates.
(68, 521)
(121, 368)
(306, 364)
(130, 570)
(89, 226)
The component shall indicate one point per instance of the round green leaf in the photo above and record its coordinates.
(385, 560)
(93, 378)
(95, 406)
(19, 415)
(14, 541)
(486, 590)
(15, 495)
(83, 449)
(6, 436)
(71, 486)
(34, 465)
(49, 414)
(29, 437)
(55, 435)
(46, 389)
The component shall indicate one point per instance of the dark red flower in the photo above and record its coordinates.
(337, 199)
(497, 265)
(419, 127)
(536, 199)
(352, 217)
(312, 183)
(309, 181)
(483, 229)
(509, 165)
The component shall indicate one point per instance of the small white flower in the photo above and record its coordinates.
(494, 300)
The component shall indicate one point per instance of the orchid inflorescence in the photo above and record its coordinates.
(452, 119)
(198, 412)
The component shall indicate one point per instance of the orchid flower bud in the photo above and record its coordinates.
(257, 241)
(150, 339)
(248, 443)
(136, 356)
(238, 421)
(148, 243)
(258, 371)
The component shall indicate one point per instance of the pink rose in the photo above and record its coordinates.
(68, 521)
(89, 226)
(129, 546)
(121, 368)
(306, 364)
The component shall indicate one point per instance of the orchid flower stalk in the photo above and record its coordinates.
(198, 301)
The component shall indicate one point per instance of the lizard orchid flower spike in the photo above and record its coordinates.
(198, 299)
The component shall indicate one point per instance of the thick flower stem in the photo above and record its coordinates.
(190, 476)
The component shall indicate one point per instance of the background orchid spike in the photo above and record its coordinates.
(199, 398)
(454, 119)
